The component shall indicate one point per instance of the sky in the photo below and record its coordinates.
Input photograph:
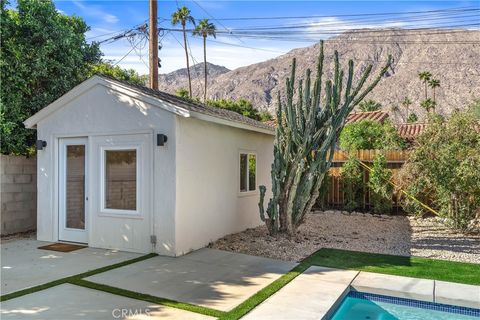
(107, 18)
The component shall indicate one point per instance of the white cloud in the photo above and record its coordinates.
(96, 12)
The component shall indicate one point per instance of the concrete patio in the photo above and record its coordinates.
(211, 278)
(25, 266)
(72, 302)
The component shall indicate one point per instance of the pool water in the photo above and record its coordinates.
(365, 306)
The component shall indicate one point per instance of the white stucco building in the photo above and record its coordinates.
(108, 178)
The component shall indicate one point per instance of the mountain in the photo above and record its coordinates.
(452, 57)
(170, 82)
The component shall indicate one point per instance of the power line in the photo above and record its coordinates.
(123, 57)
(462, 9)
(219, 22)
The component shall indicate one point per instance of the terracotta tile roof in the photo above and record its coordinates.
(410, 130)
(378, 115)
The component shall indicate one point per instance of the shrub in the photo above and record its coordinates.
(443, 168)
(241, 106)
(381, 189)
(368, 134)
(352, 177)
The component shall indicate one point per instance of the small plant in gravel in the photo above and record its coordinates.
(381, 189)
(306, 135)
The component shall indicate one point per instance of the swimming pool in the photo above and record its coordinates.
(367, 306)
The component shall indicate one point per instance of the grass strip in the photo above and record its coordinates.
(415, 267)
(149, 298)
(57, 282)
(262, 295)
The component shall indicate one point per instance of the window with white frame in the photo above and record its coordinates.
(121, 179)
(248, 172)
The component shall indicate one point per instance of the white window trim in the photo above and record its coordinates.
(248, 192)
(119, 212)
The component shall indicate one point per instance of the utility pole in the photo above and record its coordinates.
(153, 46)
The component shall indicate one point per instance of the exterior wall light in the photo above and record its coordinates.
(161, 139)
(40, 144)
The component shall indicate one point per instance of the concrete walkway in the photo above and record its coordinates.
(212, 278)
(72, 302)
(24, 266)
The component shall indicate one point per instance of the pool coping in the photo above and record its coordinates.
(317, 293)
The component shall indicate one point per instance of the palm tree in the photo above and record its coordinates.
(369, 105)
(205, 29)
(425, 76)
(434, 83)
(428, 104)
(406, 103)
(182, 16)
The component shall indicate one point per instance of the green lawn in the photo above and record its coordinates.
(468, 273)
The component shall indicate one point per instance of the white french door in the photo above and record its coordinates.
(73, 182)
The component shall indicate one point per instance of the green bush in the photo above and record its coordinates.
(129, 75)
(380, 188)
(241, 106)
(368, 134)
(443, 168)
(352, 177)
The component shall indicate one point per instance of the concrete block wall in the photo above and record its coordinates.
(18, 194)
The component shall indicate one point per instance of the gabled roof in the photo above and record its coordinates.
(177, 105)
(378, 115)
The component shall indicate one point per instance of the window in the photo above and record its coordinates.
(248, 172)
(121, 179)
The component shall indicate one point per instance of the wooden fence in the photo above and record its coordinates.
(335, 196)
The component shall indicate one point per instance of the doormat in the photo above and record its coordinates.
(62, 247)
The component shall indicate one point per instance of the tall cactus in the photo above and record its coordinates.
(306, 134)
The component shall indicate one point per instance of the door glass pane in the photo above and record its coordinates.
(121, 179)
(75, 174)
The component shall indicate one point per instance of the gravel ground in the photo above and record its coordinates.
(397, 235)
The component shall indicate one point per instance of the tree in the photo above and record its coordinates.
(306, 135)
(428, 104)
(182, 16)
(369, 105)
(412, 118)
(205, 29)
(434, 83)
(44, 54)
(406, 103)
(425, 76)
(442, 168)
(368, 135)
(129, 75)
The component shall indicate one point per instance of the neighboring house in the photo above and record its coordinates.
(408, 131)
(136, 169)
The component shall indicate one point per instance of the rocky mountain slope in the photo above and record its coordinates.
(451, 57)
(172, 81)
